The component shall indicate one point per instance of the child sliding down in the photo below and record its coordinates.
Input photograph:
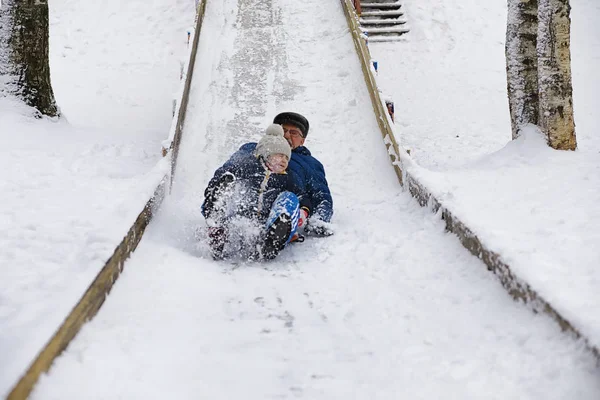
(253, 190)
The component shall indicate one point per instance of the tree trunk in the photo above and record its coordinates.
(522, 63)
(554, 64)
(26, 70)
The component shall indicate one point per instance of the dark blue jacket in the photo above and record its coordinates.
(255, 187)
(309, 176)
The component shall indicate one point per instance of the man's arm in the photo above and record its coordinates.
(321, 196)
(303, 197)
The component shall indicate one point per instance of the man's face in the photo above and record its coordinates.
(293, 135)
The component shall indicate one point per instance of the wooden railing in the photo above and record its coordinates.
(94, 297)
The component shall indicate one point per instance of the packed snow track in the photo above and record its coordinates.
(389, 307)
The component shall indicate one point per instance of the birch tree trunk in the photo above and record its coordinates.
(26, 71)
(554, 64)
(522, 63)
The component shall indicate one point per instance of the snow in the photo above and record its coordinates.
(5, 25)
(447, 79)
(536, 207)
(70, 190)
(390, 306)
(585, 59)
(549, 237)
(138, 53)
(387, 305)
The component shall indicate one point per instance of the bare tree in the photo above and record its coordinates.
(24, 64)
(522, 64)
(554, 65)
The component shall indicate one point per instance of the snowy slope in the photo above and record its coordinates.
(538, 208)
(389, 307)
(448, 80)
(69, 191)
(116, 64)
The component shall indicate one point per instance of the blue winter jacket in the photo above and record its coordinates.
(308, 175)
(256, 188)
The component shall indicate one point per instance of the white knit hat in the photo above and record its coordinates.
(273, 143)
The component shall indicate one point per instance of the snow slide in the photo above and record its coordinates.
(389, 307)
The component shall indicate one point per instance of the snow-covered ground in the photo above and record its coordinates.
(391, 306)
(69, 191)
(448, 81)
(538, 208)
(585, 54)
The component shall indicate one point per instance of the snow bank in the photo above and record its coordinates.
(538, 208)
(71, 189)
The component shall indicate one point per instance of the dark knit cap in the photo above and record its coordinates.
(294, 119)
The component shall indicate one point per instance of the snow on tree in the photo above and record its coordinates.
(538, 69)
(521, 63)
(554, 74)
(24, 64)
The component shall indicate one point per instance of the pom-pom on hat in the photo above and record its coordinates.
(294, 119)
(273, 143)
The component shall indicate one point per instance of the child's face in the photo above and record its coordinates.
(277, 163)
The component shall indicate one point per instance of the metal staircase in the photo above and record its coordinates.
(383, 20)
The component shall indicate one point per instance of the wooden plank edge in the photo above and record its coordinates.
(90, 302)
(517, 288)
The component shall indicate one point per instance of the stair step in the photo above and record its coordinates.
(381, 2)
(386, 31)
(381, 6)
(371, 27)
(382, 14)
(382, 22)
(395, 38)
